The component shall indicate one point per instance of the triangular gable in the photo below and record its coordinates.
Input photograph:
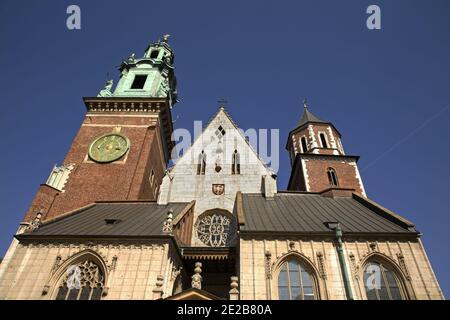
(202, 139)
(194, 294)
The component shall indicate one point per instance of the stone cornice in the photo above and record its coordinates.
(328, 156)
(319, 236)
(124, 104)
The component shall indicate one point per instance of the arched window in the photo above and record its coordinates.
(323, 140)
(332, 177)
(295, 282)
(235, 163)
(82, 281)
(201, 166)
(381, 283)
(304, 145)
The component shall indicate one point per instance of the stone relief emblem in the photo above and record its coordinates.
(218, 189)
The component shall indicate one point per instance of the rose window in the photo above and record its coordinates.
(215, 230)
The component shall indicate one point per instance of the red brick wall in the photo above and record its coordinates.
(151, 158)
(317, 128)
(124, 179)
(42, 201)
(318, 178)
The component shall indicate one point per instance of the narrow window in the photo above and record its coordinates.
(154, 54)
(220, 132)
(323, 140)
(381, 283)
(139, 81)
(235, 163)
(304, 145)
(201, 166)
(332, 177)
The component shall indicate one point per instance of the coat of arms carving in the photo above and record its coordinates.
(218, 189)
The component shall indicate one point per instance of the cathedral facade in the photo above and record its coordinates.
(113, 221)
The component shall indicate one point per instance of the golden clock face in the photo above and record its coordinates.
(109, 148)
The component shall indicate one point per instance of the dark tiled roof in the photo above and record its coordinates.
(308, 117)
(304, 213)
(135, 219)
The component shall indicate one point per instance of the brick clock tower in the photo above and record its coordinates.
(123, 145)
(318, 160)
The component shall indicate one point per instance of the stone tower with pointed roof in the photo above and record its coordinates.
(318, 159)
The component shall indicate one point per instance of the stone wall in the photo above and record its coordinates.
(124, 179)
(183, 184)
(260, 260)
(131, 269)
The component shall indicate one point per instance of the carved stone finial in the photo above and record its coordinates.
(268, 264)
(168, 224)
(197, 278)
(234, 292)
(57, 263)
(45, 290)
(291, 245)
(158, 290)
(166, 38)
(175, 272)
(321, 264)
(36, 223)
(113, 264)
(402, 263)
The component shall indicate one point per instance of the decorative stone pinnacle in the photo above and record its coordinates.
(166, 38)
(234, 292)
(291, 245)
(197, 278)
(234, 282)
(36, 222)
(168, 224)
(159, 281)
(158, 289)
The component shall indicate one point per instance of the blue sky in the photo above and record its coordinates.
(387, 91)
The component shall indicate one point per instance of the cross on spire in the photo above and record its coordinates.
(222, 102)
(305, 104)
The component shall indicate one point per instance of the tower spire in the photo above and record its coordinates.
(305, 104)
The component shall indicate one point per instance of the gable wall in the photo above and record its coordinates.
(183, 184)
